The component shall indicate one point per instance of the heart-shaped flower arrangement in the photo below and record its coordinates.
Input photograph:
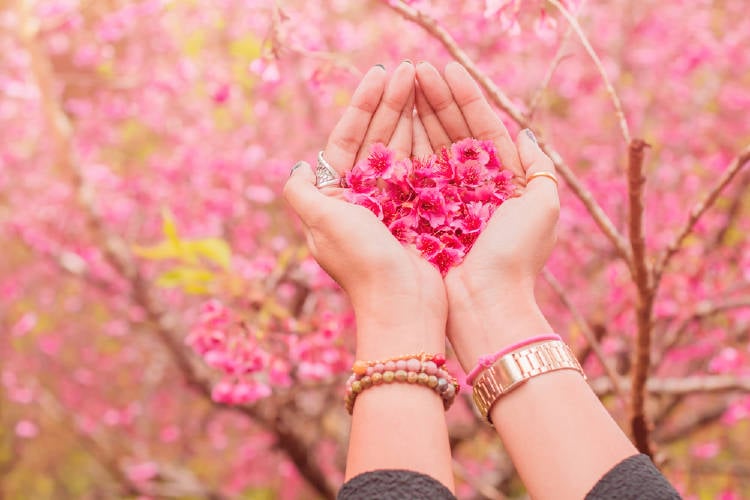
(440, 203)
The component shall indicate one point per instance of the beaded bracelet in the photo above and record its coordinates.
(422, 369)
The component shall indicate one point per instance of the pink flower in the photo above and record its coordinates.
(142, 472)
(380, 160)
(469, 150)
(221, 94)
(447, 259)
(222, 392)
(430, 205)
(26, 429)
(706, 450)
(728, 360)
(403, 229)
(441, 202)
(369, 202)
(249, 392)
(429, 246)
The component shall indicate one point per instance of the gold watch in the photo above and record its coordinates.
(515, 368)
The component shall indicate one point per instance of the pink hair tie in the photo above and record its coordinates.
(488, 360)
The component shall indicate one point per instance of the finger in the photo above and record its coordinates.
(307, 201)
(401, 140)
(421, 147)
(534, 160)
(437, 135)
(481, 119)
(387, 115)
(348, 134)
(441, 100)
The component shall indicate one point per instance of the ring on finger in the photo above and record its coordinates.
(536, 175)
(325, 174)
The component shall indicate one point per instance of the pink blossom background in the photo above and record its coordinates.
(166, 333)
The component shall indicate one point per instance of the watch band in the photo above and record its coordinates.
(515, 368)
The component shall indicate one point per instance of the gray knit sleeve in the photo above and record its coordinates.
(635, 478)
(394, 485)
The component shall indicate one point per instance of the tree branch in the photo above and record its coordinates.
(588, 332)
(115, 250)
(573, 22)
(697, 420)
(735, 166)
(498, 97)
(681, 386)
(704, 310)
(734, 211)
(560, 55)
(645, 297)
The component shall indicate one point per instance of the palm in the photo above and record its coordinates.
(451, 108)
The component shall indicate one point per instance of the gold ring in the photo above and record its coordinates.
(548, 175)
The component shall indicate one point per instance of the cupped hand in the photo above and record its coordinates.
(498, 274)
(398, 297)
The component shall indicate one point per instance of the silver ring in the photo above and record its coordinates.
(325, 174)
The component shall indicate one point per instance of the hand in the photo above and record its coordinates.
(496, 279)
(398, 297)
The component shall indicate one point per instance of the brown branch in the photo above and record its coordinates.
(704, 310)
(645, 297)
(682, 386)
(50, 406)
(560, 55)
(588, 332)
(498, 97)
(573, 22)
(735, 166)
(697, 420)
(734, 211)
(115, 250)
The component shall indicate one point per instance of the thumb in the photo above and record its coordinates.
(532, 157)
(304, 197)
(534, 161)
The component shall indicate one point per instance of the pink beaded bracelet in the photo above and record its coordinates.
(485, 362)
(419, 369)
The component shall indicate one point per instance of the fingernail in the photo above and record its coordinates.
(408, 61)
(380, 65)
(531, 135)
(295, 167)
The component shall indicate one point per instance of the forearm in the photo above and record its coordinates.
(399, 425)
(558, 434)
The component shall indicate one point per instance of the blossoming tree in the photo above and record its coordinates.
(165, 332)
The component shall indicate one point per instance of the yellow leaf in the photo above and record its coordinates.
(247, 48)
(161, 251)
(194, 44)
(190, 279)
(215, 250)
(169, 226)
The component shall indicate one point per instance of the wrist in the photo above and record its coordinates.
(393, 326)
(482, 323)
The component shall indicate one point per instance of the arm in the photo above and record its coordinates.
(558, 434)
(398, 297)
